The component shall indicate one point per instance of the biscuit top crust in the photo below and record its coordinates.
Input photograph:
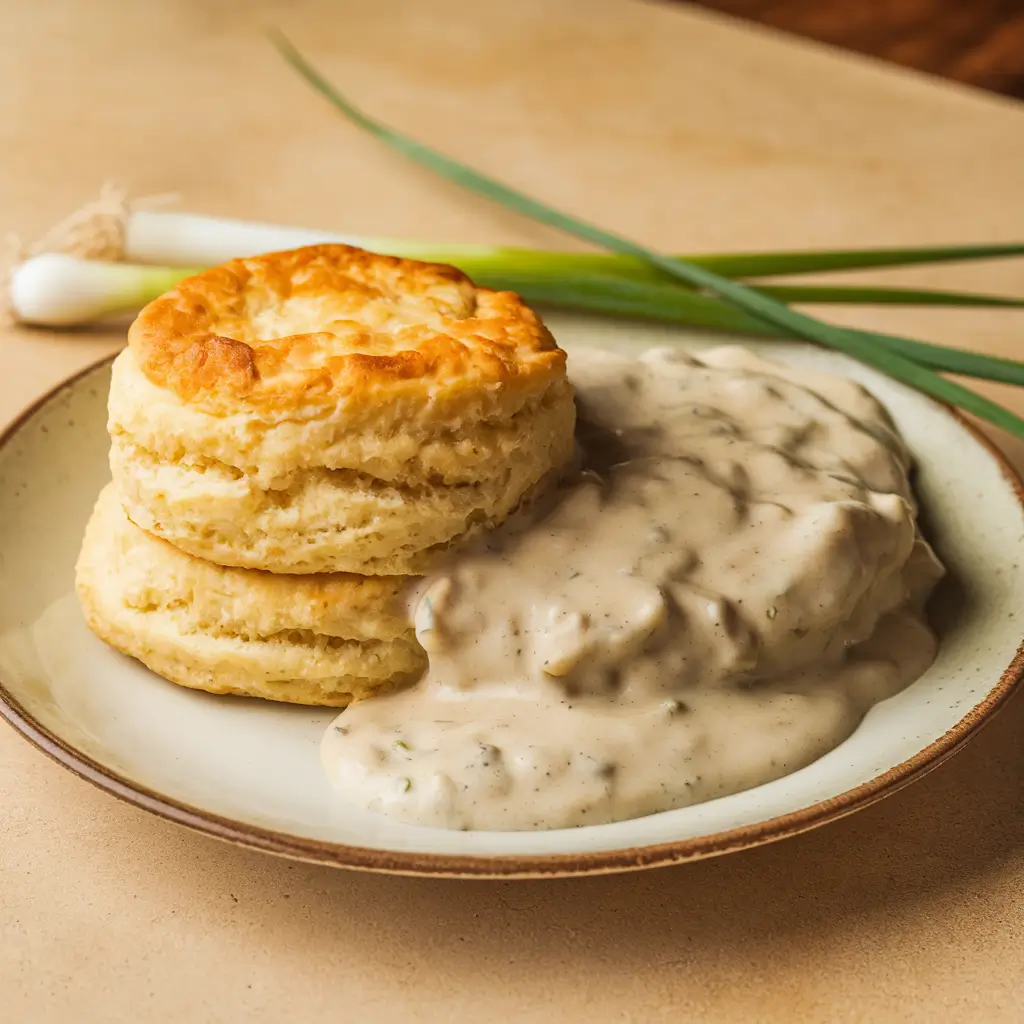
(329, 323)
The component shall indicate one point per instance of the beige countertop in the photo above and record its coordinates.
(692, 134)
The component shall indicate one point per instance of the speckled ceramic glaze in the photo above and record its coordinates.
(249, 771)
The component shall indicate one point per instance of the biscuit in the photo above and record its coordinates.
(327, 409)
(317, 639)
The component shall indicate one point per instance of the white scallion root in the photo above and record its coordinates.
(95, 231)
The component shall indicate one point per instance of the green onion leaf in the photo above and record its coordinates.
(878, 295)
(860, 345)
(669, 304)
(777, 264)
(558, 265)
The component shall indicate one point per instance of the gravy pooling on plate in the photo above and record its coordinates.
(715, 599)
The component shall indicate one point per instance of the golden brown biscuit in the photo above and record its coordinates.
(328, 409)
(312, 639)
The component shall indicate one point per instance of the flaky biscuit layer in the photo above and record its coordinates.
(304, 639)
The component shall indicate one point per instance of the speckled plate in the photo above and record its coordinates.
(249, 771)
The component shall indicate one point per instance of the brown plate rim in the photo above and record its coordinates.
(516, 866)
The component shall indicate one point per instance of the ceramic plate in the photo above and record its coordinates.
(249, 771)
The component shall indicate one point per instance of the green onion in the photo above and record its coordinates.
(57, 290)
(526, 264)
(862, 345)
(481, 259)
(877, 295)
(175, 239)
(669, 304)
(810, 262)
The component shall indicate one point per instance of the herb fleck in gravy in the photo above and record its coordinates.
(717, 596)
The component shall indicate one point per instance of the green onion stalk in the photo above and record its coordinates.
(911, 362)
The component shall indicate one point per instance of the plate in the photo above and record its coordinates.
(249, 771)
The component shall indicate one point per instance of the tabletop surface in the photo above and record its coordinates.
(682, 129)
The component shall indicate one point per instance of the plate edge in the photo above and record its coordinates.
(534, 866)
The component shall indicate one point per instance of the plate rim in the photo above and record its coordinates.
(517, 866)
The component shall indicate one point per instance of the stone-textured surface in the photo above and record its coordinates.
(691, 134)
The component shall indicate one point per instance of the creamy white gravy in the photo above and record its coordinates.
(733, 578)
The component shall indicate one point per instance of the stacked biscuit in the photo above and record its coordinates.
(295, 436)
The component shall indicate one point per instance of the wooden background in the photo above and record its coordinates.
(978, 42)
